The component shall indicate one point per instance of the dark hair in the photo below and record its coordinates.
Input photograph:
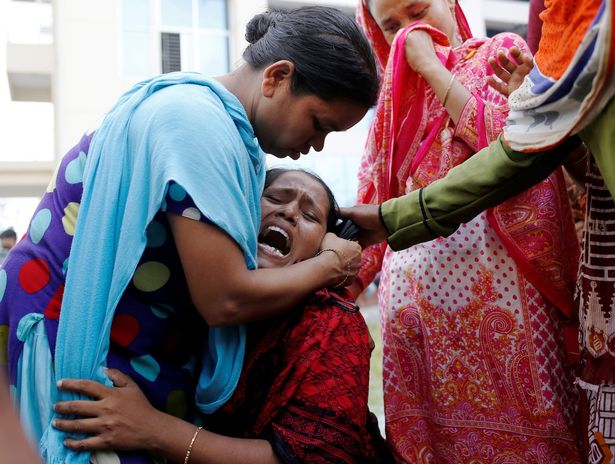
(332, 57)
(274, 173)
(8, 233)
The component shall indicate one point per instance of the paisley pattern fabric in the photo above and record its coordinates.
(474, 364)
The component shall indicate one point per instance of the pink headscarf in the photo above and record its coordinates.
(378, 42)
(399, 139)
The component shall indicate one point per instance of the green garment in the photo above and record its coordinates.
(488, 178)
(491, 176)
(599, 136)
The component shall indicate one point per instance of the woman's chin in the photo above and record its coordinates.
(268, 260)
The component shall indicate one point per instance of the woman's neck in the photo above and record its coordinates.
(244, 83)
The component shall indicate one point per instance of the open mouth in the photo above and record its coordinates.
(275, 241)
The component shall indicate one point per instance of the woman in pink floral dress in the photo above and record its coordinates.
(475, 367)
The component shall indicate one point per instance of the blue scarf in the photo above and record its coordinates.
(198, 135)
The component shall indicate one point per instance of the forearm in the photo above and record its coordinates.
(439, 79)
(491, 176)
(173, 439)
(265, 293)
(226, 292)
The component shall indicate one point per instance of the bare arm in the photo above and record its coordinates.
(421, 56)
(225, 292)
(121, 418)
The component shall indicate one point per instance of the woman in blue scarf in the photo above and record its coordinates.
(149, 226)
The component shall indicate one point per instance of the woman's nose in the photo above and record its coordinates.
(318, 142)
(290, 213)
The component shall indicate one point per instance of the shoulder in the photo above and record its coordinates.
(188, 115)
(184, 102)
(335, 315)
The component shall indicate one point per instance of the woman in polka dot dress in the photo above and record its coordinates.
(191, 269)
(302, 396)
(474, 364)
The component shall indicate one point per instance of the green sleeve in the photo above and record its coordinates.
(599, 136)
(491, 176)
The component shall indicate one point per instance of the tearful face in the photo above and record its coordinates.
(294, 209)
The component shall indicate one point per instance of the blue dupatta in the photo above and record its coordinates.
(198, 135)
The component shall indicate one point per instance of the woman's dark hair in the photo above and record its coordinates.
(274, 173)
(332, 57)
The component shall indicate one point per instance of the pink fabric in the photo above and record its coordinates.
(502, 274)
(412, 142)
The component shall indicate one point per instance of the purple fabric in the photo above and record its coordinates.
(156, 331)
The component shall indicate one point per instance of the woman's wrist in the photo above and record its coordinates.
(429, 67)
(335, 260)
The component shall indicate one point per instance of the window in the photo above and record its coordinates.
(192, 35)
(136, 57)
(171, 52)
(199, 29)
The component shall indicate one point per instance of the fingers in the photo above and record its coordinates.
(498, 85)
(77, 408)
(346, 212)
(89, 426)
(526, 60)
(92, 443)
(87, 387)
(118, 378)
(500, 72)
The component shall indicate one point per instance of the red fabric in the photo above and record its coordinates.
(305, 384)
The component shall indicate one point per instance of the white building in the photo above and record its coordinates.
(64, 62)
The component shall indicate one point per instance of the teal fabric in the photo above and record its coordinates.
(36, 380)
(178, 127)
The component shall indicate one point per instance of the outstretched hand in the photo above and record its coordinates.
(367, 217)
(510, 70)
(118, 417)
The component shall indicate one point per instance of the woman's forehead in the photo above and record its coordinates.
(302, 182)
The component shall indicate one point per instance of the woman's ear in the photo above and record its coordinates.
(277, 75)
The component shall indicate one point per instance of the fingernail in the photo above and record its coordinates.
(54, 423)
(59, 383)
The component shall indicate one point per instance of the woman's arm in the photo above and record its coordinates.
(421, 56)
(121, 418)
(225, 292)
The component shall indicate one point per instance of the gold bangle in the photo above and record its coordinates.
(448, 89)
(342, 258)
(189, 450)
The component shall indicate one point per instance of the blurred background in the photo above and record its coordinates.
(63, 63)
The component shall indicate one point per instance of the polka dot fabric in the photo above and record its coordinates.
(156, 332)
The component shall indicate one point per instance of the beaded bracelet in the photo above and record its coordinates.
(189, 450)
(342, 258)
